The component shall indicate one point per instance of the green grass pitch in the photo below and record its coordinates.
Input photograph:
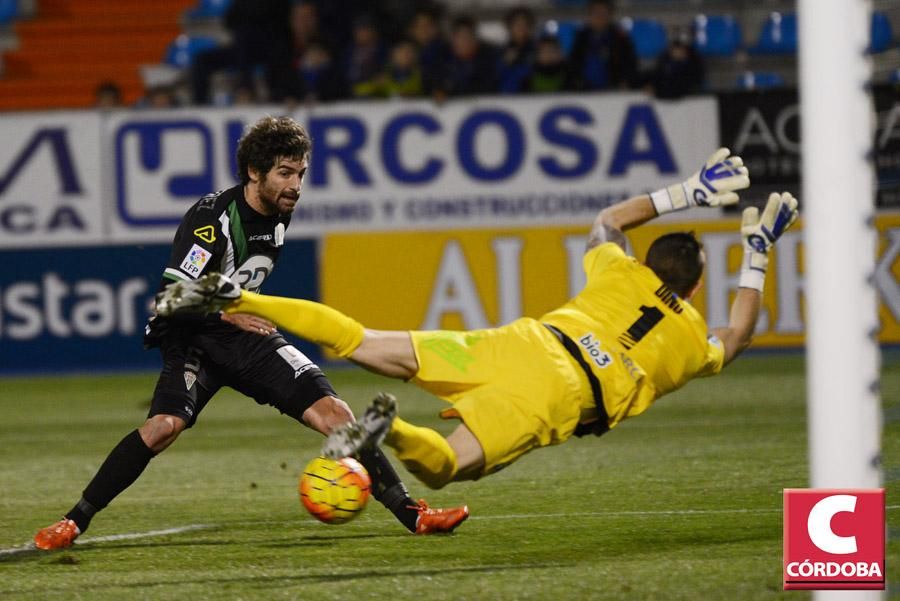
(683, 502)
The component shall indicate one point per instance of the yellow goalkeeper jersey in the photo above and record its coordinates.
(640, 339)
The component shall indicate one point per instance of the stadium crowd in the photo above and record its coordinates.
(310, 51)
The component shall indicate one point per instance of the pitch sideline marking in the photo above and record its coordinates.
(133, 535)
(114, 537)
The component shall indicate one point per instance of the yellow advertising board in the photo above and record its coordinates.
(481, 278)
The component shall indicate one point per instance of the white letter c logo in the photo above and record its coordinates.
(819, 525)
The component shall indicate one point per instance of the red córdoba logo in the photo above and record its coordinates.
(833, 539)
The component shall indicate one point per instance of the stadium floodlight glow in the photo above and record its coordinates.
(843, 359)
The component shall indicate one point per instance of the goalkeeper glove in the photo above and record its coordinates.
(713, 186)
(760, 233)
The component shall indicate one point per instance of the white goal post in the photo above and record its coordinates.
(838, 207)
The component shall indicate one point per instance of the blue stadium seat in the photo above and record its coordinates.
(759, 80)
(9, 11)
(209, 9)
(881, 33)
(778, 35)
(182, 51)
(565, 32)
(717, 35)
(648, 35)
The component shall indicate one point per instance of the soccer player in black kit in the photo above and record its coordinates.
(239, 232)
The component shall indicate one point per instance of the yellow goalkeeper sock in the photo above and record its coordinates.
(307, 319)
(424, 452)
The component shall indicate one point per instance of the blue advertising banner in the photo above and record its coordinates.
(86, 178)
(382, 166)
(84, 309)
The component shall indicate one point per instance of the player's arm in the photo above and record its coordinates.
(612, 221)
(714, 185)
(741, 323)
(759, 235)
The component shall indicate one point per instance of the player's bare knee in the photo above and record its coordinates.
(470, 460)
(388, 353)
(160, 431)
(327, 413)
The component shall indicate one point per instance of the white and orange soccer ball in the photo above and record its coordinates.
(335, 491)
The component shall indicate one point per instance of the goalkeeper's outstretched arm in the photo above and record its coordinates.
(741, 323)
(714, 185)
(759, 235)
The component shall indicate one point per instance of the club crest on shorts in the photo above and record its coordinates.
(189, 379)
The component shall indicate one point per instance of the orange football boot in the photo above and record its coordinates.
(433, 521)
(57, 536)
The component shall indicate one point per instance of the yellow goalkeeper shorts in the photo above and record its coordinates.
(515, 387)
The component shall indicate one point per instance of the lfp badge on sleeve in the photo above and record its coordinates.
(833, 539)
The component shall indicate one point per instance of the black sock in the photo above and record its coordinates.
(388, 488)
(122, 467)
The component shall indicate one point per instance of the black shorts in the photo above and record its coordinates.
(198, 361)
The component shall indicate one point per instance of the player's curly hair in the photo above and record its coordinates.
(675, 259)
(270, 139)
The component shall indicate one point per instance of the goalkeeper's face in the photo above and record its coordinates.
(279, 188)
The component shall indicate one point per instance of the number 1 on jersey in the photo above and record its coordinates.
(650, 316)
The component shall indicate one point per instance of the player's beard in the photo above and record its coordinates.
(278, 201)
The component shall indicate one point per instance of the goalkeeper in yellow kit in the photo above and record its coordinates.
(629, 337)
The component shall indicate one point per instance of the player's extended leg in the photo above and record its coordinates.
(308, 319)
(389, 353)
(122, 467)
(433, 459)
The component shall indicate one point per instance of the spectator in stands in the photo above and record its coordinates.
(243, 97)
(550, 68)
(261, 38)
(304, 23)
(107, 95)
(337, 20)
(403, 76)
(471, 68)
(518, 55)
(679, 70)
(394, 17)
(603, 56)
(158, 97)
(425, 30)
(366, 58)
(320, 79)
(316, 74)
